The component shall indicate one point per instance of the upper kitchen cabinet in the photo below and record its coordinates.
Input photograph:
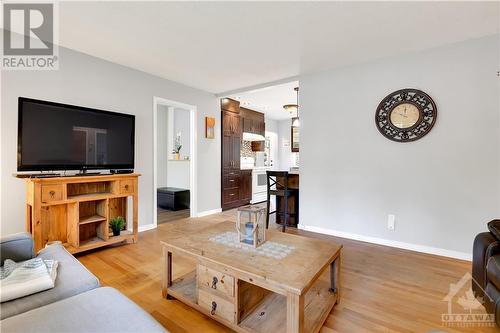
(231, 124)
(231, 105)
(253, 121)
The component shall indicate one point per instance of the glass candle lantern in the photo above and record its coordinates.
(250, 225)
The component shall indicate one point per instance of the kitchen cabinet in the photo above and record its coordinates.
(246, 186)
(231, 140)
(236, 184)
(231, 146)
(253, 121)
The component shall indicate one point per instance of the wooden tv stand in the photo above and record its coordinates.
(76, 210)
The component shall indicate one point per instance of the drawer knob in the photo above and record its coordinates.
(214, 282)
(126, 187)
(214, 307)
(52, 193)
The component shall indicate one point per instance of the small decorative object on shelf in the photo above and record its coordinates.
(251, 225)
(177, 147)
(116, 224)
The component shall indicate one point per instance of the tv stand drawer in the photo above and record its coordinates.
(52, 193)
(126, 186)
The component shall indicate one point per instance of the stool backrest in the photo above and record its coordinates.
(277, 178)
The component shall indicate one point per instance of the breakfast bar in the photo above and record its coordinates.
(293, 201)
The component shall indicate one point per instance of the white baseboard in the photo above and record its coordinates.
(146, 227)
(209, 212)
(392, 243)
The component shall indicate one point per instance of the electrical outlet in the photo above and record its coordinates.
(391, 222)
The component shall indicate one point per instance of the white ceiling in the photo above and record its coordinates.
(222, 46)
(270, 100)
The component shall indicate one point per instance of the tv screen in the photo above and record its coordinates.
(53, 136)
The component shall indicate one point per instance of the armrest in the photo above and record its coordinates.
(494, 228)
(485, 245)
(17, 247)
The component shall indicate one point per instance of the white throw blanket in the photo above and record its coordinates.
(26, 278)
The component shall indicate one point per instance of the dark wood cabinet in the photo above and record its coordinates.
(246, 187)
(231, 145)
(247, 125)
(237, 184)
(253, 122)
(231, 140)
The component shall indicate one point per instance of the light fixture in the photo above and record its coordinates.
(294, 109)
(291, 108)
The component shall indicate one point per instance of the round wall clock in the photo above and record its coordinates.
(406, 115)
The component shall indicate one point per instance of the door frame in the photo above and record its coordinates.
(193, 111)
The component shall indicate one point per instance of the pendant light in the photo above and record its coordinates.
(294, 108)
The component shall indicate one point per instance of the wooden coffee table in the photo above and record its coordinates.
(251, 292)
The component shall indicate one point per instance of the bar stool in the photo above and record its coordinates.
(277, 185)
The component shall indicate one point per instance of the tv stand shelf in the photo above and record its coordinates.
(92, 219)
(77, 210)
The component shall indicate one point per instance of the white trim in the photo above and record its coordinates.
(209, 212)
(193, 153)
(257, 86)
(147, 227)
(392, 243)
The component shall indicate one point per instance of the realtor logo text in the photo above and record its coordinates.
(29, 36)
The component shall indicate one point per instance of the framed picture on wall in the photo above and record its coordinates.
(209, 128)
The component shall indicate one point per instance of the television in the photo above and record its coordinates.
(55, 136)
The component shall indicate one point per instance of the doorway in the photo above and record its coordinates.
(174, 161)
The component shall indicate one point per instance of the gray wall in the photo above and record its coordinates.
(442, 188)
(89, 81)
(272, 135)
(286, 157)
(181, 124)
(162, 151)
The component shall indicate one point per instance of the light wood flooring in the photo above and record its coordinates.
(165, 215)
(383, 289)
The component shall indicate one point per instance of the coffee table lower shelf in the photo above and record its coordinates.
(269, 315)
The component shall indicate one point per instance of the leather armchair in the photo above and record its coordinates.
(486, 268)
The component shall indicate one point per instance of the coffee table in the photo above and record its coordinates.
(249, 291)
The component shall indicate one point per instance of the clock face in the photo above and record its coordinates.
(404, 115)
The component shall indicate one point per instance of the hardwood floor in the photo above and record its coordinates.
(383, 289)
(165, 215)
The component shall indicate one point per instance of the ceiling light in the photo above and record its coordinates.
(293, 109)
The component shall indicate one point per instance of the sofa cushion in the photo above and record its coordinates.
(99, 310)
(493, 270)
(72, 279)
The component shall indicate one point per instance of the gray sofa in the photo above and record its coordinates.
(77, 303)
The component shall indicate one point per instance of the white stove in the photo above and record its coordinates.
(259, 184)
(259, 178)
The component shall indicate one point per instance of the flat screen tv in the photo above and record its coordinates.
(54, 136)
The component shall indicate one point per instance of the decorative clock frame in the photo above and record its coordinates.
(427, 115)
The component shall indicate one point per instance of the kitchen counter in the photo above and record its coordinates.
(293, 201)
